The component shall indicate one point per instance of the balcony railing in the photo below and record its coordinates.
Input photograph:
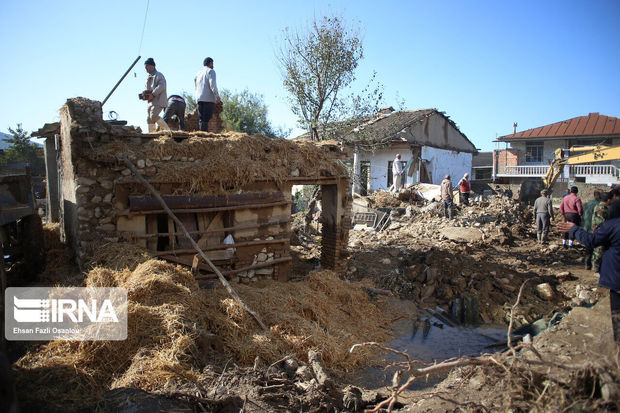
(525, 170)
(606, 171)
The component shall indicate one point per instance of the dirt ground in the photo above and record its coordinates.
(420, 263)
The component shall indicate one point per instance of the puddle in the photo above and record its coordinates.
(440, 344)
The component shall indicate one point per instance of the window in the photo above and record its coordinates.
(390, 178)
(534, 152)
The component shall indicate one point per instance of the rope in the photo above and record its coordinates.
(144, 25)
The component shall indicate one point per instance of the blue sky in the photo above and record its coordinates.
(486, 64)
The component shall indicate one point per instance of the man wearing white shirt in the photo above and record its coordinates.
(206, 93)
(397, 173)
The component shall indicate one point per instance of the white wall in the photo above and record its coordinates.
(443, 162)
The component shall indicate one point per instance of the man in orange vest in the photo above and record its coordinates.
(464, 189)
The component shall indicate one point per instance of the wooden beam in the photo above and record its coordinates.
(257, 266)
(202, 210)
(211, 231)
(145, 203)
(222, 246)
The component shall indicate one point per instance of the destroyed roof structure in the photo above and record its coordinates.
(429, 136)
(231, 191)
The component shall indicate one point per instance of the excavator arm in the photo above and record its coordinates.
(592, 154)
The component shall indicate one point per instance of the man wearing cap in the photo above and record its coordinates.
(446, 197)
(207, 94)
(543, 213)
(155, 95)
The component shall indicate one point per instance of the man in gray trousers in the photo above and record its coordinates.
(543, 213)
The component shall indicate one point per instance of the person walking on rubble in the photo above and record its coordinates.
(608, 235)
(464, 189)
(543, 213)
(600, 215)
(207, 94)
(176, 107)
(586, 223)
(155, 95)
(571, 210)
(446, 197)
(397, 174)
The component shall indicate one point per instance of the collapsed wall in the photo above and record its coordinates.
(231, 191)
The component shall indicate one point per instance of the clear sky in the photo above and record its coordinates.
(486, 64)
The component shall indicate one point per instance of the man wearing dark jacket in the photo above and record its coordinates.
(607, 235)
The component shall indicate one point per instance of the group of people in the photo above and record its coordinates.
(597, 227)
(447, 197)
(206, 93)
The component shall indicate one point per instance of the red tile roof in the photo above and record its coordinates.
(591, 125)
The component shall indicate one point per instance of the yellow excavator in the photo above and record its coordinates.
(583, 154)
(530, 189)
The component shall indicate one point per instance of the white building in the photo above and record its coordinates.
(430, 144)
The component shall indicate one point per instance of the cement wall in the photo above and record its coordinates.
(442, 162)
(438, 132)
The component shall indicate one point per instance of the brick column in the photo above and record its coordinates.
(336, 222)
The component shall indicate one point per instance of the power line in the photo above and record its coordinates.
(144, 25)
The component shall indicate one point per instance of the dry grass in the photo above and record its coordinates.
(225, 162)
(167, 312)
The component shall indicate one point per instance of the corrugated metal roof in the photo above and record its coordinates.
(592, 125)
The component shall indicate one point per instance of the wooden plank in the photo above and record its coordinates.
(257, 266)
(203, 210)
(145, 203)
(188, 261)
(214, 237)
(189, 221)
(151, 228)
(216, 230)
(135, 224)
(220, 247)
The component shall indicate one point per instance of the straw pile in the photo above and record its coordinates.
(322, 312)
(214, 163)
(168, 312)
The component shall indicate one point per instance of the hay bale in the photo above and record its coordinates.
(168, 313)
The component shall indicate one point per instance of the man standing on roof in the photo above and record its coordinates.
(571, 210)
(543, 213)
(446, 197)
(155, 95)
(397, 173)
(464, 189)
(207, 94)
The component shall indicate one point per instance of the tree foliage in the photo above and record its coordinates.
(318, 65)
(190, 102)
(246, 112)
(22, 150)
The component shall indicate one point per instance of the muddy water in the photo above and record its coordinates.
(440, 344)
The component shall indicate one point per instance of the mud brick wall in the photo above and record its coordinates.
(215, 123)
(96, 196)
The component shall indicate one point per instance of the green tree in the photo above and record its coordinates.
(22, 150)
(246, 112)
(190, 102)
(318, 66)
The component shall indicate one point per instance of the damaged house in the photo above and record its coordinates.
(430, 144)
(232, 192)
